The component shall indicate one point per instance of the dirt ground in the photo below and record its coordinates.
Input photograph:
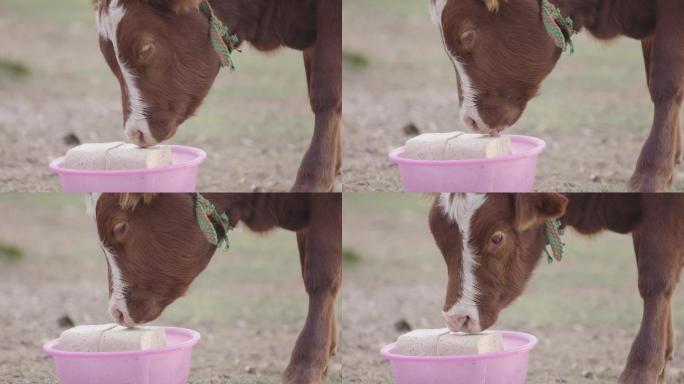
(255, 125)
(594, 111)
(585, 310)
(249, 305)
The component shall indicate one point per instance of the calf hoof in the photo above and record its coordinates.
(639, 376)
(649, 182)
(311, 187)
(302, 375)
(313, 184)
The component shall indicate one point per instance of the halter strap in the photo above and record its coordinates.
(559, 28)
(208, 218)
(553, 232)
(221, 38)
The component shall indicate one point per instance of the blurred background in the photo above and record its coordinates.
(585, 310)
(56, 91)
(594, 110)
(249, 304)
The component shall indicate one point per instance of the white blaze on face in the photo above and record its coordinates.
(91, 203)
(108, 19)
(460, 209)
(468, 91)
(117, 300)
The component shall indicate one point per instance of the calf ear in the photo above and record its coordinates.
(493, 5)
(532, 208)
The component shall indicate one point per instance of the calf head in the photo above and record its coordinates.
(491, 244)
(501, 53)
(154, 249)
(160, 52)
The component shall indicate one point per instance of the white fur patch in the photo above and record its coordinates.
(460, 209)
(91, 203)
(117, 300)
(108, 20)
(468, 106)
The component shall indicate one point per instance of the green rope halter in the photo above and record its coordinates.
(207, 217)
(559, 28)
(221, 38)
(553, 232)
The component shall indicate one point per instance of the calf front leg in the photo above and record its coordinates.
(669, 345)
(650, 352)
(678, 149)
(652, 348)
(664, 59)
(323, 64)
(321, 270)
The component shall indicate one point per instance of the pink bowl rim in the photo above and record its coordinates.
(200, 156)
(195, 337)
(386, 351)
(539, 145)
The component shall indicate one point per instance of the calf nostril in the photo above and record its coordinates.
(471, 123)
(139, 137)
(119, 316)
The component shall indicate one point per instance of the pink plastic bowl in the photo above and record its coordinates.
(514, 173)
(168, 365)
(507, 367)
(181, 176)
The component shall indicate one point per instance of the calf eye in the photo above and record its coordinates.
(146, 52)
(468, 39)
(497, 238)
(120, 231)
(146, 48)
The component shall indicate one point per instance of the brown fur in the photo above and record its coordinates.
(161, 250)
(512, 54)
(656, 222)
(179, 65)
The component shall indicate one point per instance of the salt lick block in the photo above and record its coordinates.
(111, 338)
(477, 146)
(132, 339)
(442, 342)
(117, 156)
(428, 146)
(83, 338)
(89, 156)
(130, 156)
(456, 146)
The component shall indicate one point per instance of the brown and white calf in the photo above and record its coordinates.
(160, 52)
(502, 52)
(492, 243)
(154, 249)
